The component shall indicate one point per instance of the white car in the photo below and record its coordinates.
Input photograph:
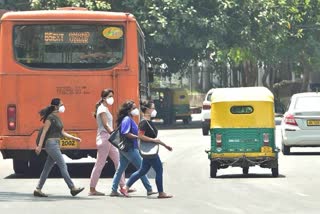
(300, 126)
(206, 113)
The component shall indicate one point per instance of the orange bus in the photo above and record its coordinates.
(70, 53)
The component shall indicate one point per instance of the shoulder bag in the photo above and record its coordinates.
(148, 149)
(120, 141)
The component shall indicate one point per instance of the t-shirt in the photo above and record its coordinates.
(103, 109)
(148, 128)
(128, 125)
(55, 128)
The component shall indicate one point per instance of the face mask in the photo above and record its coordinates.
(110, 100)
(135, 112)
(61, 109)
(154, 113)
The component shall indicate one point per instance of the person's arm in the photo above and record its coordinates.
(65, 134)
(46, 127)
(104, 119)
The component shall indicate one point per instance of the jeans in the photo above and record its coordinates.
(147, 163)
(131, 156)
(54, 156)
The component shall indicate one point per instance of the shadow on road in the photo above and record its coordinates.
(303, 153)
(25, 197)
(253, 175)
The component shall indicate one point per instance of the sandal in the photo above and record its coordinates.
(76, 191)
(132, 190)
(124, 192)
(96, 193)
(151, 193)
(39, 193)
(164, 195)
(114, 194)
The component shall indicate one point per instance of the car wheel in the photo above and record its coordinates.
(275, 172)
(205, 131)
(213, 169)
(285, 149)
(245, 170)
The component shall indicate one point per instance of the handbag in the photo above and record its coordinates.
(148, 149)
(120, 141)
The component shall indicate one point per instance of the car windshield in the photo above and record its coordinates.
(307, 103)
(68, 46)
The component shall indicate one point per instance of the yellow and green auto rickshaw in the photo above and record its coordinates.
(242, 130)
(172, 104)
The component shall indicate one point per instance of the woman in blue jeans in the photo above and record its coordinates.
(148, 133)
(129, 128)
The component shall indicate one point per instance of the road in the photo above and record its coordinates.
(186, 176)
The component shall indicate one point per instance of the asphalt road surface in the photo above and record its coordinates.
(186, 176)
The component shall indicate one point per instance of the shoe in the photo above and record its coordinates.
(124, 192)
(114, 194)
(76, 191)
(39, 193)
(151, 193)
(164, 195)
(96, 193)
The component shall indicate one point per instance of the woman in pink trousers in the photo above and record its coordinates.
(104, 147)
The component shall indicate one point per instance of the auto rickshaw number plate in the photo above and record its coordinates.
(266, 149)
(313, 122)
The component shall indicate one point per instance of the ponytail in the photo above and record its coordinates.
(97, 106)
(44, 113)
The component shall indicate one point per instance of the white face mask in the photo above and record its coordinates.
(135, 112)
(153, 113)
(61, 109)
(110, 100)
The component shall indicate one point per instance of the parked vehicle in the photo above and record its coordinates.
(242, 130)
(172, 104)
(300, 126)
(205, 113)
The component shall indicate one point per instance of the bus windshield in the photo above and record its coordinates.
(68, 46)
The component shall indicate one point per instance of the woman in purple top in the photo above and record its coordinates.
(129, 128)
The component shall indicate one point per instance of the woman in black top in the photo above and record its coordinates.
(53, 130)
(148, 133)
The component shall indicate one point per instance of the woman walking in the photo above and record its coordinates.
(129, 129)
(104, 147)
(53, 130)
(148, 133)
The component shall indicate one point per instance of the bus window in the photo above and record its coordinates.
(71, 46)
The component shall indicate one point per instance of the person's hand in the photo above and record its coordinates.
(77, 139)
(168, 147)
(38, 150)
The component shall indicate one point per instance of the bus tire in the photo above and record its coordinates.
(275, 172)
(213, 170)
(245, 170)
(20, 166)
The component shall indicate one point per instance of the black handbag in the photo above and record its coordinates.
(120, 141)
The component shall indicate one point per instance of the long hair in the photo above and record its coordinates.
(124, 111)
(44, 113)
(104, 94)
(145, 105)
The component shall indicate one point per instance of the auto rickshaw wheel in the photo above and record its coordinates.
(245, 170)
(275, 172)
(213, 169)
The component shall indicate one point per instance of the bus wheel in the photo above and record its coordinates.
(20, 166)
(275, 172)
(245, 170)
(213, 169)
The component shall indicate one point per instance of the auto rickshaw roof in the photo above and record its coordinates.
(241, 94)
